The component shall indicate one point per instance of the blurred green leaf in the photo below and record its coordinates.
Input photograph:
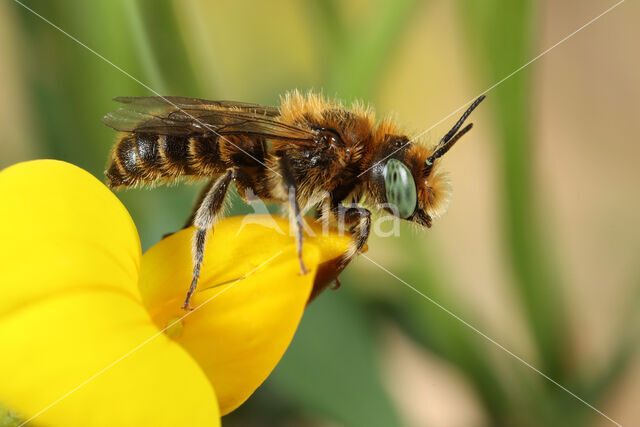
(331, 368)
(625, 349)
(8, 418)
(501, 33)
(143, 45)
(445, 335)
(356, 57)
(71, 96)
(167, 52)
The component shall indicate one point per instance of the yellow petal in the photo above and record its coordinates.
(250, 300)
(70, 307)
(62, 230)
(52, 347)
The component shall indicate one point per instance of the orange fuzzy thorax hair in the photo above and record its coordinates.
(434, 191)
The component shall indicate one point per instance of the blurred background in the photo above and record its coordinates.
(539, 250)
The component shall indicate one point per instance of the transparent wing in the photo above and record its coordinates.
(182, 102)
(192, 116)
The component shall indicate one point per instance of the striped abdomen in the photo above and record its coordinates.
(143, 158)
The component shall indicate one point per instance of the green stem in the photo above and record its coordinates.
(502, 33)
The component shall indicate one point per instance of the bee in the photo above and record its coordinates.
(307, 152)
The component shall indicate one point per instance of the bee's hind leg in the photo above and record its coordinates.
(294, 208)
(204, 218)
(201, 195)
(196, 205)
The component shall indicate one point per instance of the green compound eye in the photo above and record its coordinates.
(400, 187)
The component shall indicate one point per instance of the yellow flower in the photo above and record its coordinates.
(91, 332)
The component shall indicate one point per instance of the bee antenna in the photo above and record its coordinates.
(442, 149)
(451, 137)
(457, 126)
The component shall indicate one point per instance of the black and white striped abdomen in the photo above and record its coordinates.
(139, 158)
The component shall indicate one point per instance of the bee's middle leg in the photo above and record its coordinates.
(205, 217)
(296, 220)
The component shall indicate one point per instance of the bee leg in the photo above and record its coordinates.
(199, 199)
(358, 219)
(201, 195)
(296, 220)
(205, 217)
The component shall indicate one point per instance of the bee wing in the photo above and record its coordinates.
(182, 102)
(193, 116)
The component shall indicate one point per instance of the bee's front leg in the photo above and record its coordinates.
(205, 217)
(294, 209)
(358, 219)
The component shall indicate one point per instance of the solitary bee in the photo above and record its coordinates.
(308, 152)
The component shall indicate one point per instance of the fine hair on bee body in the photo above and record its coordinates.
(307, 152)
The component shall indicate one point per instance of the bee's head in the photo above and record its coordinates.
(415, 189)
(414, 186)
